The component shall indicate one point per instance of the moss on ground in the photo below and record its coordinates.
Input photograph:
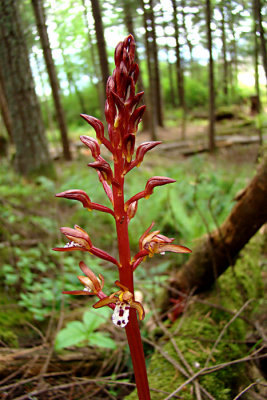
(12, 324)
(201, 327)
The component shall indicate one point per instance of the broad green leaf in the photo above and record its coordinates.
(101, 340)
(69, 337)
(93, 319)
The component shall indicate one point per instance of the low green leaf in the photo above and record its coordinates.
(101, 340)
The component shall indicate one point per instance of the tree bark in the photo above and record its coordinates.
(92, 58)
(154, 48)
(151, 77)
(225, 65)
(128, 20)
(211, 81)
(42, 30)
(29, 134)
(217, 251)
(179, 68)
(101, 44)
(4, 110)
(258, 10)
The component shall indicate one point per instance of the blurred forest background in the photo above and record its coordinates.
(203, 68)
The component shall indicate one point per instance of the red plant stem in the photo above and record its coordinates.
(126, 278)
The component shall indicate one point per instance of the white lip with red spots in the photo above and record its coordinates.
(72, 244)
(120, 316)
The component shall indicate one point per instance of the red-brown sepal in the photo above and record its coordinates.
(76, 194)
(99, 130)
(131, 211)
(156, 181)
(106, 187)
(151, 183)
(81, 196)
(140, 153)
(128, 144)
(104, 255)
(135, 119)
(103, 167)
(92, 144)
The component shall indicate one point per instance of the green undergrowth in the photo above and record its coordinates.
(198, 330)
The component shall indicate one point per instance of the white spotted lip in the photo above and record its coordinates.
(120, 316)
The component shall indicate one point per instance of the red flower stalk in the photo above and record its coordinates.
(123, 117)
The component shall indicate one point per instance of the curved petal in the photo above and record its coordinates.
(139, 308)
(78, 292)
(105, 302)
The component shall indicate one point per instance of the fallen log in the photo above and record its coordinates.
(215, 252)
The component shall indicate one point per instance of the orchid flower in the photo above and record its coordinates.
(123, 300)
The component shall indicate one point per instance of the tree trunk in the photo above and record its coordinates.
(256, 68)
(258, 9)
(71, 80)
(128, 20)
(29, 135)
(42, 30)
(152, 91)
(154, 48)
(217, 251)
(225, 65)
(169, 64)
(179, 68)
(101, 44)
(92, 58)
(188, 42)
(211, 81)
(4, 110)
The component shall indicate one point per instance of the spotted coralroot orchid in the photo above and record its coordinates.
(123, 116)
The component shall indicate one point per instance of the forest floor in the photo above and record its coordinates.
(32, 309)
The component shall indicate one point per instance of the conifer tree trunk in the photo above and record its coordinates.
(188, 42)
(29, 135)
(4, 110)
(256, 68)
(71, 80)
(154, 48)
(128, 20)
(179, 68)
(92, 57)
(42, 30)
(218, 250)
(258, 11)
(211, 81)
(101, 44)
(169, 64)
(152, 90)
(225, 66)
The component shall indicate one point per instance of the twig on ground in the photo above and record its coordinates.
(248, 388)
(84, 382)
(226, 326)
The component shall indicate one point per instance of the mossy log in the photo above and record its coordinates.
(218, 250)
